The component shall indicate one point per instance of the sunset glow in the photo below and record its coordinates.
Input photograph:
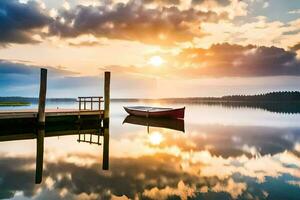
(156, 61)
(155, 138)
(150, 99)
(225, 47)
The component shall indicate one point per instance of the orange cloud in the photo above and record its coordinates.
(134, 21)
(222, 60)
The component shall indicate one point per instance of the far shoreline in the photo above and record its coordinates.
(14, 104)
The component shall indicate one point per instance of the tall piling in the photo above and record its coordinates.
(105, 163)
(42, 97)
(106, 96)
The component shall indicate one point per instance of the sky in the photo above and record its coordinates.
(154, 48)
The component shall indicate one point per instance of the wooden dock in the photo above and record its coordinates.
(89, 120)
(87, 106)
(17, 114)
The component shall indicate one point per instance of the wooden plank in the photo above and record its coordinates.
(91, 97)
(18, 115)
(71, 113)
(33, 114)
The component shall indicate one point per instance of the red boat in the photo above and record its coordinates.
(143, 111)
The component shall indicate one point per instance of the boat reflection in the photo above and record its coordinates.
(39, 134)
(174, 124)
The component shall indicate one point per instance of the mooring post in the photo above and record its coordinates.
(105, 163)
(42, 97)
(106, 96)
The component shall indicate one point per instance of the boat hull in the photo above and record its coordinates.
(167, 113)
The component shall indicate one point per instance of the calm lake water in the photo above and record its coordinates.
(223, 153)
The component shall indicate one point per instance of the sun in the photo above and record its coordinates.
(156, 138)
(156, 61)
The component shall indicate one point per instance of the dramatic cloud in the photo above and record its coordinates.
(133, 21)
(295, 47)
(222, 60)
(19, 21)
(21, 67)
(242, 61)
(23, 79)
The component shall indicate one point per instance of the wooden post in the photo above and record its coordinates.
(99, 105)
(42, 97)
(79, 109)
(106, 94)
(105, 162)
(39, 156)
(79, 103)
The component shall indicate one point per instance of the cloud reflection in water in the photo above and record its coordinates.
(208, 161)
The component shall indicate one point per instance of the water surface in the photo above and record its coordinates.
(223, 153)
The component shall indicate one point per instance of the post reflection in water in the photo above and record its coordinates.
(105, 162)
(41, 134)
(39, 155)
(219, 159)
(81, 130)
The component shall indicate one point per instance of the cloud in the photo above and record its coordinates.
(21, 78)
(259, 31)
(163, 2)
(182, 191)
(221, 2)
(23, 68)
(17, 78)
(233, 188)
(297, 11)
(222, 60)
(242, 61)
(296, 47)
(19, 21)
(160, 174)
(133, 21)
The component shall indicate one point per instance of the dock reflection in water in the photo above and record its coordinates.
(225, 153)
(85, 134)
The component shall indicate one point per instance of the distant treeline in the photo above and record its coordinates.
(292, 96)
(290, 107)
(273, 96)
(279, 102)
(289, 96)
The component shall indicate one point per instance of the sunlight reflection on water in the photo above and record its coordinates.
(224, 153)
